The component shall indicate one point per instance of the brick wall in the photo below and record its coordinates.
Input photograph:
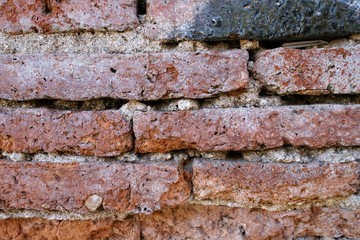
(179, 119)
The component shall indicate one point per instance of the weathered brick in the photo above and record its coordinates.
(129, 188)
(102, 133)
(243, 19)
(315, 71)
(239, 129)
(273, 183)
(215, 222)
(39, 229)
(23, 16)
(132, 77)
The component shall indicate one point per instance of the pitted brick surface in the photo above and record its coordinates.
(37, 229)
(215, 222)
(315, 71)
(122, 76)
(23, 16)
(129, 188)
(100, 133)
(273, 183)
(239, 129)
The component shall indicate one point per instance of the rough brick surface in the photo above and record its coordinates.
(272, 183)
(101, 133)
(243, 19)
(22, 16)
(293, 71)
(131, 77)
(248, 128)
(39, 229)
(136, 188)
(212, 222)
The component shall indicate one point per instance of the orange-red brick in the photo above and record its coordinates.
(100, 133)
(23, 16)
(240, 129)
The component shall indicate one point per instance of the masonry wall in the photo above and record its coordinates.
(157, 119)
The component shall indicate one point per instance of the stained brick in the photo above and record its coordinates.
(239, 129)
(273, 183)
(243, 19)
(214, 222)
(102, 133)
(132, 77)
(315, 71)
(23, 16)
(130, 188)
(38, 229)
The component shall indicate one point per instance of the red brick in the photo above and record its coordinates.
(132, 77)
(239, 129)
(273, 183)
(22, 16)
(102, 133)
(39, 229)
(215, 222)
(129, 188)
(315, 71)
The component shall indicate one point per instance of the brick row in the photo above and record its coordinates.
(37, 228)
(315, 71)
(255, 184)
(195, 222)
(84, 187)
(131, 77)
(243, 19)
(100, 133)
(239, 129)
(23, 16)
(213, 222)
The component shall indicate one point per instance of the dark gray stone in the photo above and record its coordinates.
(269, 20)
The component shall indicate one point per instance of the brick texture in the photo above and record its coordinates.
(100, 133)
(273, 183)
(40, 229)
(243, 19)
(316, 71)
(213, 222)
(239, 129)
(22, 16)
(132, 77)
(195, 222)
(130, 188)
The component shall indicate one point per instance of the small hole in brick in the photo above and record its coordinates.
(47, 6)
(141, 7)
(113, 70)
(35, 29)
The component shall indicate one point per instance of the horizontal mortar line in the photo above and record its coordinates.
(57, 215)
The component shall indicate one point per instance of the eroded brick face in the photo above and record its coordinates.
(65, 230)
(23, 16)
(316, 71)
(216, 222)
(100, 133)
(130, 188)
(195, 222)
(272, 183)
(240, 129)
(126, 76)
(179, 119)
